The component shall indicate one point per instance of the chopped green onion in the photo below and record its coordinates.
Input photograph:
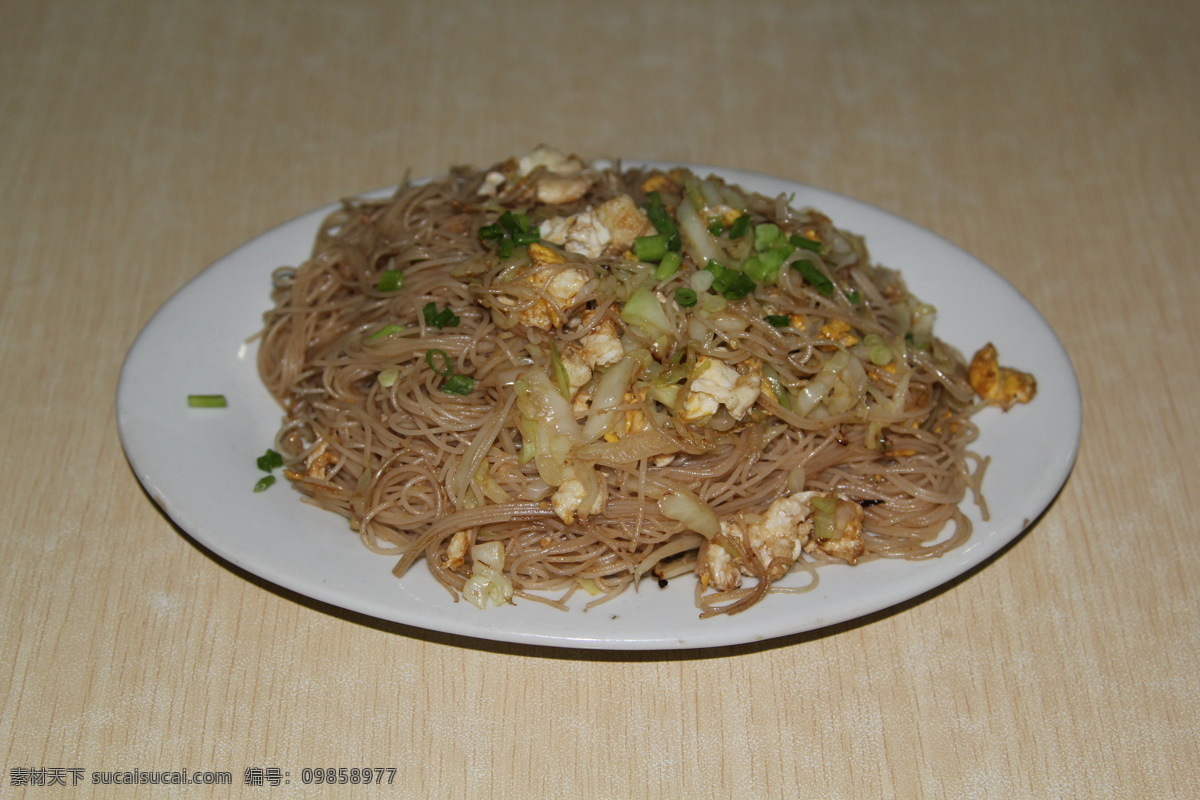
(385, 331)
(715, 226)
(525, 238)
(455, 383)
(651, 248)
(512, 229)
(656, 212)
(739, 227)
(686, 298)
(758, 270)
(729, 283)
(514, 222)
(764, 267)
(388, 377)
(264, 483)
(804, 242)
(269, 461)
(447, 368)
(853, 296)
(493, 231)
(439, 319)
(820, 282)
(458, 384)
(668, 266)
(207, 401)
(778, 320)
(881, 355)
(390, 280)
(765, 235)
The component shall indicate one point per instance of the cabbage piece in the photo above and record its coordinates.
(697, 515)
(547, 425)
(488, 582)
(698, 242)
(610, 393)
(644, 311)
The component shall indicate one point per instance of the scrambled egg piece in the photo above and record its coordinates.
(557, 189)
(714, 383)
(838, 331)
(578, 370)
(554, 161)
(657, 183)
(777, 538)
(550, 273)
(602, 344)
(847, 544)
(579, 233)
(997, 385)
(716, 568)
(613, 224)
(316, 465)
(564, 179)
(624, 220)
(569, 497)
(599, 347)
(456, 552)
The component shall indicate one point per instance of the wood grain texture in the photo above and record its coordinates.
(1055, 140)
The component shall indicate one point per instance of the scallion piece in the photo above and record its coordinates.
(439, 319)
(264, 483)
(740, 227)
(207, 401)
(651, 248)
(269, 460)
(686, 298)
(390, 280)
(446, 369)
(778, 320)
(729, 283)
(385, 331)
(458, 384)
(854, 297)
(765, 235)
(809, 270)
(805, 243)
(656, 212)
(455, 383)
(514, 222)
(668, 266)
(493, 231)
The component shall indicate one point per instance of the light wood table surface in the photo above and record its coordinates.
(1056, 141)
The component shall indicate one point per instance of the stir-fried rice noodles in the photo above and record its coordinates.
(551, 376)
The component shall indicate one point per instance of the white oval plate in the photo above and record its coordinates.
(199, 464)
